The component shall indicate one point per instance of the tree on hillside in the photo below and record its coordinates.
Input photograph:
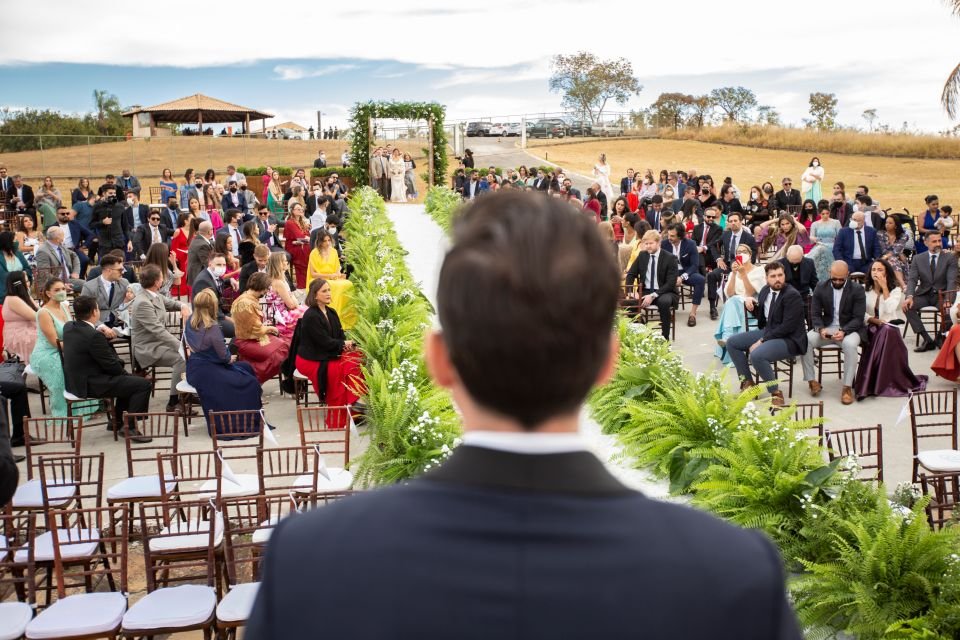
(700, 108)
(735, 102)
(870, 115)
(823, 110)
(638, 119)
(767, 115)
(669, 109)
(588, 83)
(107, 108)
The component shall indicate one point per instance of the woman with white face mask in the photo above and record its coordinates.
(811, 181)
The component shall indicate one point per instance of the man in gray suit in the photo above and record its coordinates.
(378, 173)
(56, 261)
(199, 252)
(112, 293)
(153, 344)
(129, 183)
(930, 273)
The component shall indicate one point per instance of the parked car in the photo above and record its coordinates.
(549, 128)
(580, 128)
(477, 129)
(514, 129)
(608, 130)
(498, 129)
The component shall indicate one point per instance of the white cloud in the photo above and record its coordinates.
(536, 70)
(299, 72)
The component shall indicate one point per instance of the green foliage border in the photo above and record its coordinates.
(360, 143)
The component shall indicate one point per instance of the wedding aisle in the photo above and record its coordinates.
(426, 245)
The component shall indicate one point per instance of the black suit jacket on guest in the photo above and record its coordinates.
(28, 198)
(782, 199)
(9, 474)
(805, 280)
(90, 363)
(518, 546)
(205, 280)
(245, 272)
(625, 186)
(853, 307)
(714, 234)
(745, 238)
(787, 318)
(667, 271)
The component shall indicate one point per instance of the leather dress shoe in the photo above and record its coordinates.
(745, 384)
(776, 398)
(846, 396)
(713, 313)
(692, 321)
(815, 388)
(925, 346)
(139, 438)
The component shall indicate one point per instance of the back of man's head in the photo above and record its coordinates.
(527, 298)
(84, 307)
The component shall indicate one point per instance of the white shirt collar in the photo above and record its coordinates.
(525, 442)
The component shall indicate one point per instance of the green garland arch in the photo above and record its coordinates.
(363, 112)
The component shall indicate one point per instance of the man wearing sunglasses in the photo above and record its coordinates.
(788, 196)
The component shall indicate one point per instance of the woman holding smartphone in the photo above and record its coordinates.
(744, 281)
(296, 238)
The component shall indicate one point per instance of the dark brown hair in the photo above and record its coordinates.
(315, 285)
(527, 297)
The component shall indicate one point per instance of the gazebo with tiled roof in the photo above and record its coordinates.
(196, 108)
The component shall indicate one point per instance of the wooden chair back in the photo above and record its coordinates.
(315, 432)
(237, 429)
(195, 472)
(163, 428)
(944, 492)
(108, 562)
(16, 529)
(248, 523)
(933, 414)
(864, 443)
(287, 469)
(50, 436)
(193, 529)
(71, 481)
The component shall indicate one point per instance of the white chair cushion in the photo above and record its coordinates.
(84, 614)
(304, 483)
(188, 535)
(263, 532)
(340, 480)
(14, 618)
(249, 486)
(30, 496)
(84, 545)
(238, 603)
(71, 397)
(28, 370)
(940, 460)
(174, 607)
(139, 487)
(298, 375)
(185, 387)
(3, 545)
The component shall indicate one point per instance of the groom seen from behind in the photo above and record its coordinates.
(522, 532)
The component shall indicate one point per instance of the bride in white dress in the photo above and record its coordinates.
(601, 171)
(396, 169)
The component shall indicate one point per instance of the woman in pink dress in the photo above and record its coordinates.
(19, 317)
(282, 306)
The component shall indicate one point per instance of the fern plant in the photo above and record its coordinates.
(889, 574)
(441, 204)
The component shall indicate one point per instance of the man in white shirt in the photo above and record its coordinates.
(232, 228)
(236, 176)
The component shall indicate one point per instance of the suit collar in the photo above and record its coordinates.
(574, 472)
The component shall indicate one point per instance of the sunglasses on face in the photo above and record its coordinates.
(154, 219)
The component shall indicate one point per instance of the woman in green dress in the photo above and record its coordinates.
(275, 197)
(45, 360)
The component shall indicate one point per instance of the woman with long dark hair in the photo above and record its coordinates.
(180, 247)
(893, 239)
(11, 261)
(884, 368)
(19, 317)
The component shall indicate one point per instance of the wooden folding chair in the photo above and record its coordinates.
(944, 492)
(49, 436)
(327, 442)
(863, 443)
(287, 470)
(933, 414)
(804, 412)
(14, 534)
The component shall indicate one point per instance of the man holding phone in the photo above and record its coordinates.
(837, 310)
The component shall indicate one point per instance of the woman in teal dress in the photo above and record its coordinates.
(45, 360)
(823, 233)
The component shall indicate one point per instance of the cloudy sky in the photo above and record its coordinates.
(479, 60)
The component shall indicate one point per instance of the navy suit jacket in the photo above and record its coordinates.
(80, 235)
(787, 319)
(689, 257)
(495, 544)
(843, 246)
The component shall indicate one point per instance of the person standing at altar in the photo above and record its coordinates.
(396, 170)
(521, 532)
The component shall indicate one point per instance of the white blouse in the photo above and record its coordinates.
(757, 279)
(890, 308)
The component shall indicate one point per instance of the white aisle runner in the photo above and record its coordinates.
(426, 245)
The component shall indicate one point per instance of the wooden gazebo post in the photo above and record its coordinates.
(430, 153)
(200, 122)
(246, 126)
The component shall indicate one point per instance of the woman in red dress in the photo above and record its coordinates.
(296, 240)
(179, 247)
(326, 357)
(947, 363)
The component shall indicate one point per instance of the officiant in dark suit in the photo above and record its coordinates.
(521, 532)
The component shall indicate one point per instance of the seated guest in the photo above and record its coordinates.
(222, 383)
(947, 363)
(256, 343)
(261, 254)
(151, 232)
(19, 317)
(92, 368)
(655, 273)
(325, 263)
(685, 251)
(76, 237)
(630, 245)
(930, 273)
(199, 250)
(837, 311)
(211, 278)
(128, 273)
(745, 281)
(152, 343)
(801, 272)
(231, 229)
(45, 360)
(112, 293)
(161, 257)
(857, 245)
(55, 260)
(781, 332)
(654, 212)
(733, 236)
(250, 238)
(9, 474)
(521, 512)
(286, 309)
(706, 235)
(884, 364)
(779, 234)
(325, 355)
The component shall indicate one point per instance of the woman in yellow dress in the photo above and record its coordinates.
(325, 263)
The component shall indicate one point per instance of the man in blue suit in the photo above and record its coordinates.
(687, 255)
(76, 237)
(521, 532)
(857, 246)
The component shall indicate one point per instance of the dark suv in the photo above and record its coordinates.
(549, 128)
(477, 129)
(580, 128)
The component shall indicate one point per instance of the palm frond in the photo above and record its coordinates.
(950, 98)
